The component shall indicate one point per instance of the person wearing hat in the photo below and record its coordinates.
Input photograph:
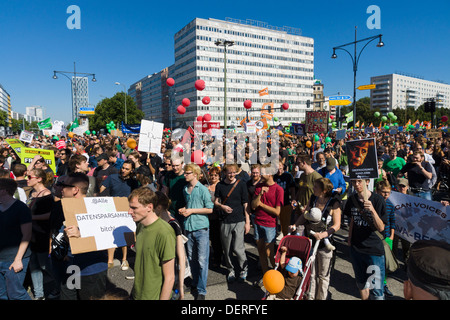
(103, 170)
(335, 175)
(428, 271)
(292, 271)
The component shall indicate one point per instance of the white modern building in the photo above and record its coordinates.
(5, 100)
(401, 91)
(37, 112)
(80, 95)
(265, 64)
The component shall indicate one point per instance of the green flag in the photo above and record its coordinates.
(74, 125)
(45, 124)
(349, 117)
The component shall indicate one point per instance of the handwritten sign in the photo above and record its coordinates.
(316, 122)
(150, 136)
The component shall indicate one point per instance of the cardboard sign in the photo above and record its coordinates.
(316, 122)
(362, 159)
(434, 133)
(104, 223)
(150, 136)
(27, 155)
(26, 136)
(17, 145)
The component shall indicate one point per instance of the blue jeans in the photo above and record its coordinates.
(198, 257)
(369, 273)
(39, 262)
(267, 233)
(11, 283)
(424, 195)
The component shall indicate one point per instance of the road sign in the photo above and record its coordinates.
(339, 102)
(87, 110)
(367, 87)
(339, 98)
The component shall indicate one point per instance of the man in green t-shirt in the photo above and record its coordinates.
(154, 268)
(394, 164)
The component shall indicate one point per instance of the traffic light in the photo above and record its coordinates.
(308, 103)
(430, 106)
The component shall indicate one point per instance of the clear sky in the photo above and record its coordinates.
(126, 40)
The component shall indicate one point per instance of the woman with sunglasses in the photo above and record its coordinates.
(40, 204)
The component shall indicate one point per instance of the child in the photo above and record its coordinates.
(292, 273)
(314, 216)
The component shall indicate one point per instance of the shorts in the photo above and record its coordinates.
(268, 234)
(369, 273)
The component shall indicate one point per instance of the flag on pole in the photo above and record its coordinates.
(74, 125)
(349, 117)
(264, 92)
(45, 124)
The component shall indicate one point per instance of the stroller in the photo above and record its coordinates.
(300, 247)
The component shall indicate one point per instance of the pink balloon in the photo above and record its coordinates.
(198, 157)
(206, 100)
(170, 82)
(200, 84)
(247, 104)
(207, 117)
(444, 119)
(285, 106)
(181, 110)
(186, 102)
(199, 118)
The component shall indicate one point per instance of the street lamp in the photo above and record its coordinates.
(125, 95)
(224, 44)
(74, 87)
(355, 60)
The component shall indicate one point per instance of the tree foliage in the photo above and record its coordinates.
(113, 109)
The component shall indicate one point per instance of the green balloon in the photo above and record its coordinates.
(390, 114)
(394, 118)
(93, 132)
(88, 132)
(386, 127)
(327, 139)
(276, 119)
(396, 124)
(316, 138)
(384, 118)
(376, 114)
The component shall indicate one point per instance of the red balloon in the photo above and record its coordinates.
(186, 102)
(200, 84)
(199, 118)
(170, 82)
(285, 106)
(207, 117)
(331, 117)
(444, 119)
(181, 110)
(206, 100)
(247, 104)
(198, 157)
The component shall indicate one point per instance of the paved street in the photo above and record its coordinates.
(342, 286)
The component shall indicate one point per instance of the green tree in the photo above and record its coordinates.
(113, 109)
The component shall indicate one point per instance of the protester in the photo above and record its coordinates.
(285, 180)
(215, 219)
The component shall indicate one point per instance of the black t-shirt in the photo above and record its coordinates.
(101, 175)
(416, 178)
(286, 181)
(41, 228)
(364, 239)
(237, 198)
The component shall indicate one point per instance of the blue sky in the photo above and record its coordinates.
(125, 41)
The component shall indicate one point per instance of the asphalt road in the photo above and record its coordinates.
(342, 284)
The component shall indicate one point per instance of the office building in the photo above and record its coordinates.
(80, 95)
(5, 103)
(402, 91)
(266, 64)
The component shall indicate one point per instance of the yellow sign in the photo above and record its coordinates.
(339, 102)
(28, 154)
(367, 87)
(17, 145)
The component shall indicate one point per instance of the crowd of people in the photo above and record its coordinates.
(191, 217)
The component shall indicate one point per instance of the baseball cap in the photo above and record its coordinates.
(428, 267)
(294, 265)
(403, 181)
(331, 163)
(103, 156)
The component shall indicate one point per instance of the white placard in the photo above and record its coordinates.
(26, 136)
(104, 223)
(150, 136)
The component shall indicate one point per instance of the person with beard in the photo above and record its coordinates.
(120, 185)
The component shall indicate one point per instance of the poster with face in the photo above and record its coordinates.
(362, 159)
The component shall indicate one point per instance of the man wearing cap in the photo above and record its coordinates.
(103, 170)
(428, 271)
(335, 175)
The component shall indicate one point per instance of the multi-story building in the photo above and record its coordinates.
(37, 112)
(265, 64)
(401, 91)
(80, 95)
(5, 103)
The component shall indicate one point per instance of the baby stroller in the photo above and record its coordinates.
(299, 246)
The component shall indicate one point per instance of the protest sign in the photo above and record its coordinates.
(150, 136)
(316, 122)
(298, 129)
(27, 155)
(17, 145)
(420, 219)
(340, 134)
(362, 159)
(104, 223)
(434, 133)
(26, 136)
